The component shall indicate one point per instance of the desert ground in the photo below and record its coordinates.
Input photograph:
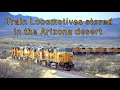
(87, 65)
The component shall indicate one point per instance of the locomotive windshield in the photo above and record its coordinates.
(68, 49)
(61, 50)
(65, 50)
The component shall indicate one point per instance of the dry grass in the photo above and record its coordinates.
(49, 74)
(20, 69)
(4, 54)
(97, 65)
(107, 76)
(11, 69)
(88, 63)
(7, 70)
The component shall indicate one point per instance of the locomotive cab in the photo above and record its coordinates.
(65, 55)
(20, 53)
(26, 52)
(13, 52)
(62, 57)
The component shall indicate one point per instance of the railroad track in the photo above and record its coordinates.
(63, 73)
(66, 74)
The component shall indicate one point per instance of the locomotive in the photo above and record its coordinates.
(50, 57)
(77, 50)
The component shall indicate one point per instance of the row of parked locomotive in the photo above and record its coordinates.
(50, 57)
(77, 50)
(55, 57)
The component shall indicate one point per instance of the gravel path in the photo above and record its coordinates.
(63, 74)
(67, 75)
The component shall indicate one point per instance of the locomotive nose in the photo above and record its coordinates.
(66, 57)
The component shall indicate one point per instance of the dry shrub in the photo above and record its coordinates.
(89, 57)
(81, 66)
(4, 54)
(11, 69)
(117, 70)
(107, 76)
(102, 66)
(92, 67)
(30, 70)
(6, 70)
(99, 67)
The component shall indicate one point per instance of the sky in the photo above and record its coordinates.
(71, 15)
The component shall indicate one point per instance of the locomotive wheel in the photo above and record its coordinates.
(48, 63)
(39, 62)
(63, 66)
(18, 58)
(15, 57)
(44, 63)
(67, 67)
(12, 57)
(22, 58)
(56, 65)
(59, 67)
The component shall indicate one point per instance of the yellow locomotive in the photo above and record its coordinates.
(56, 57)
(15, 52)
(51, 57)
(61, 57)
